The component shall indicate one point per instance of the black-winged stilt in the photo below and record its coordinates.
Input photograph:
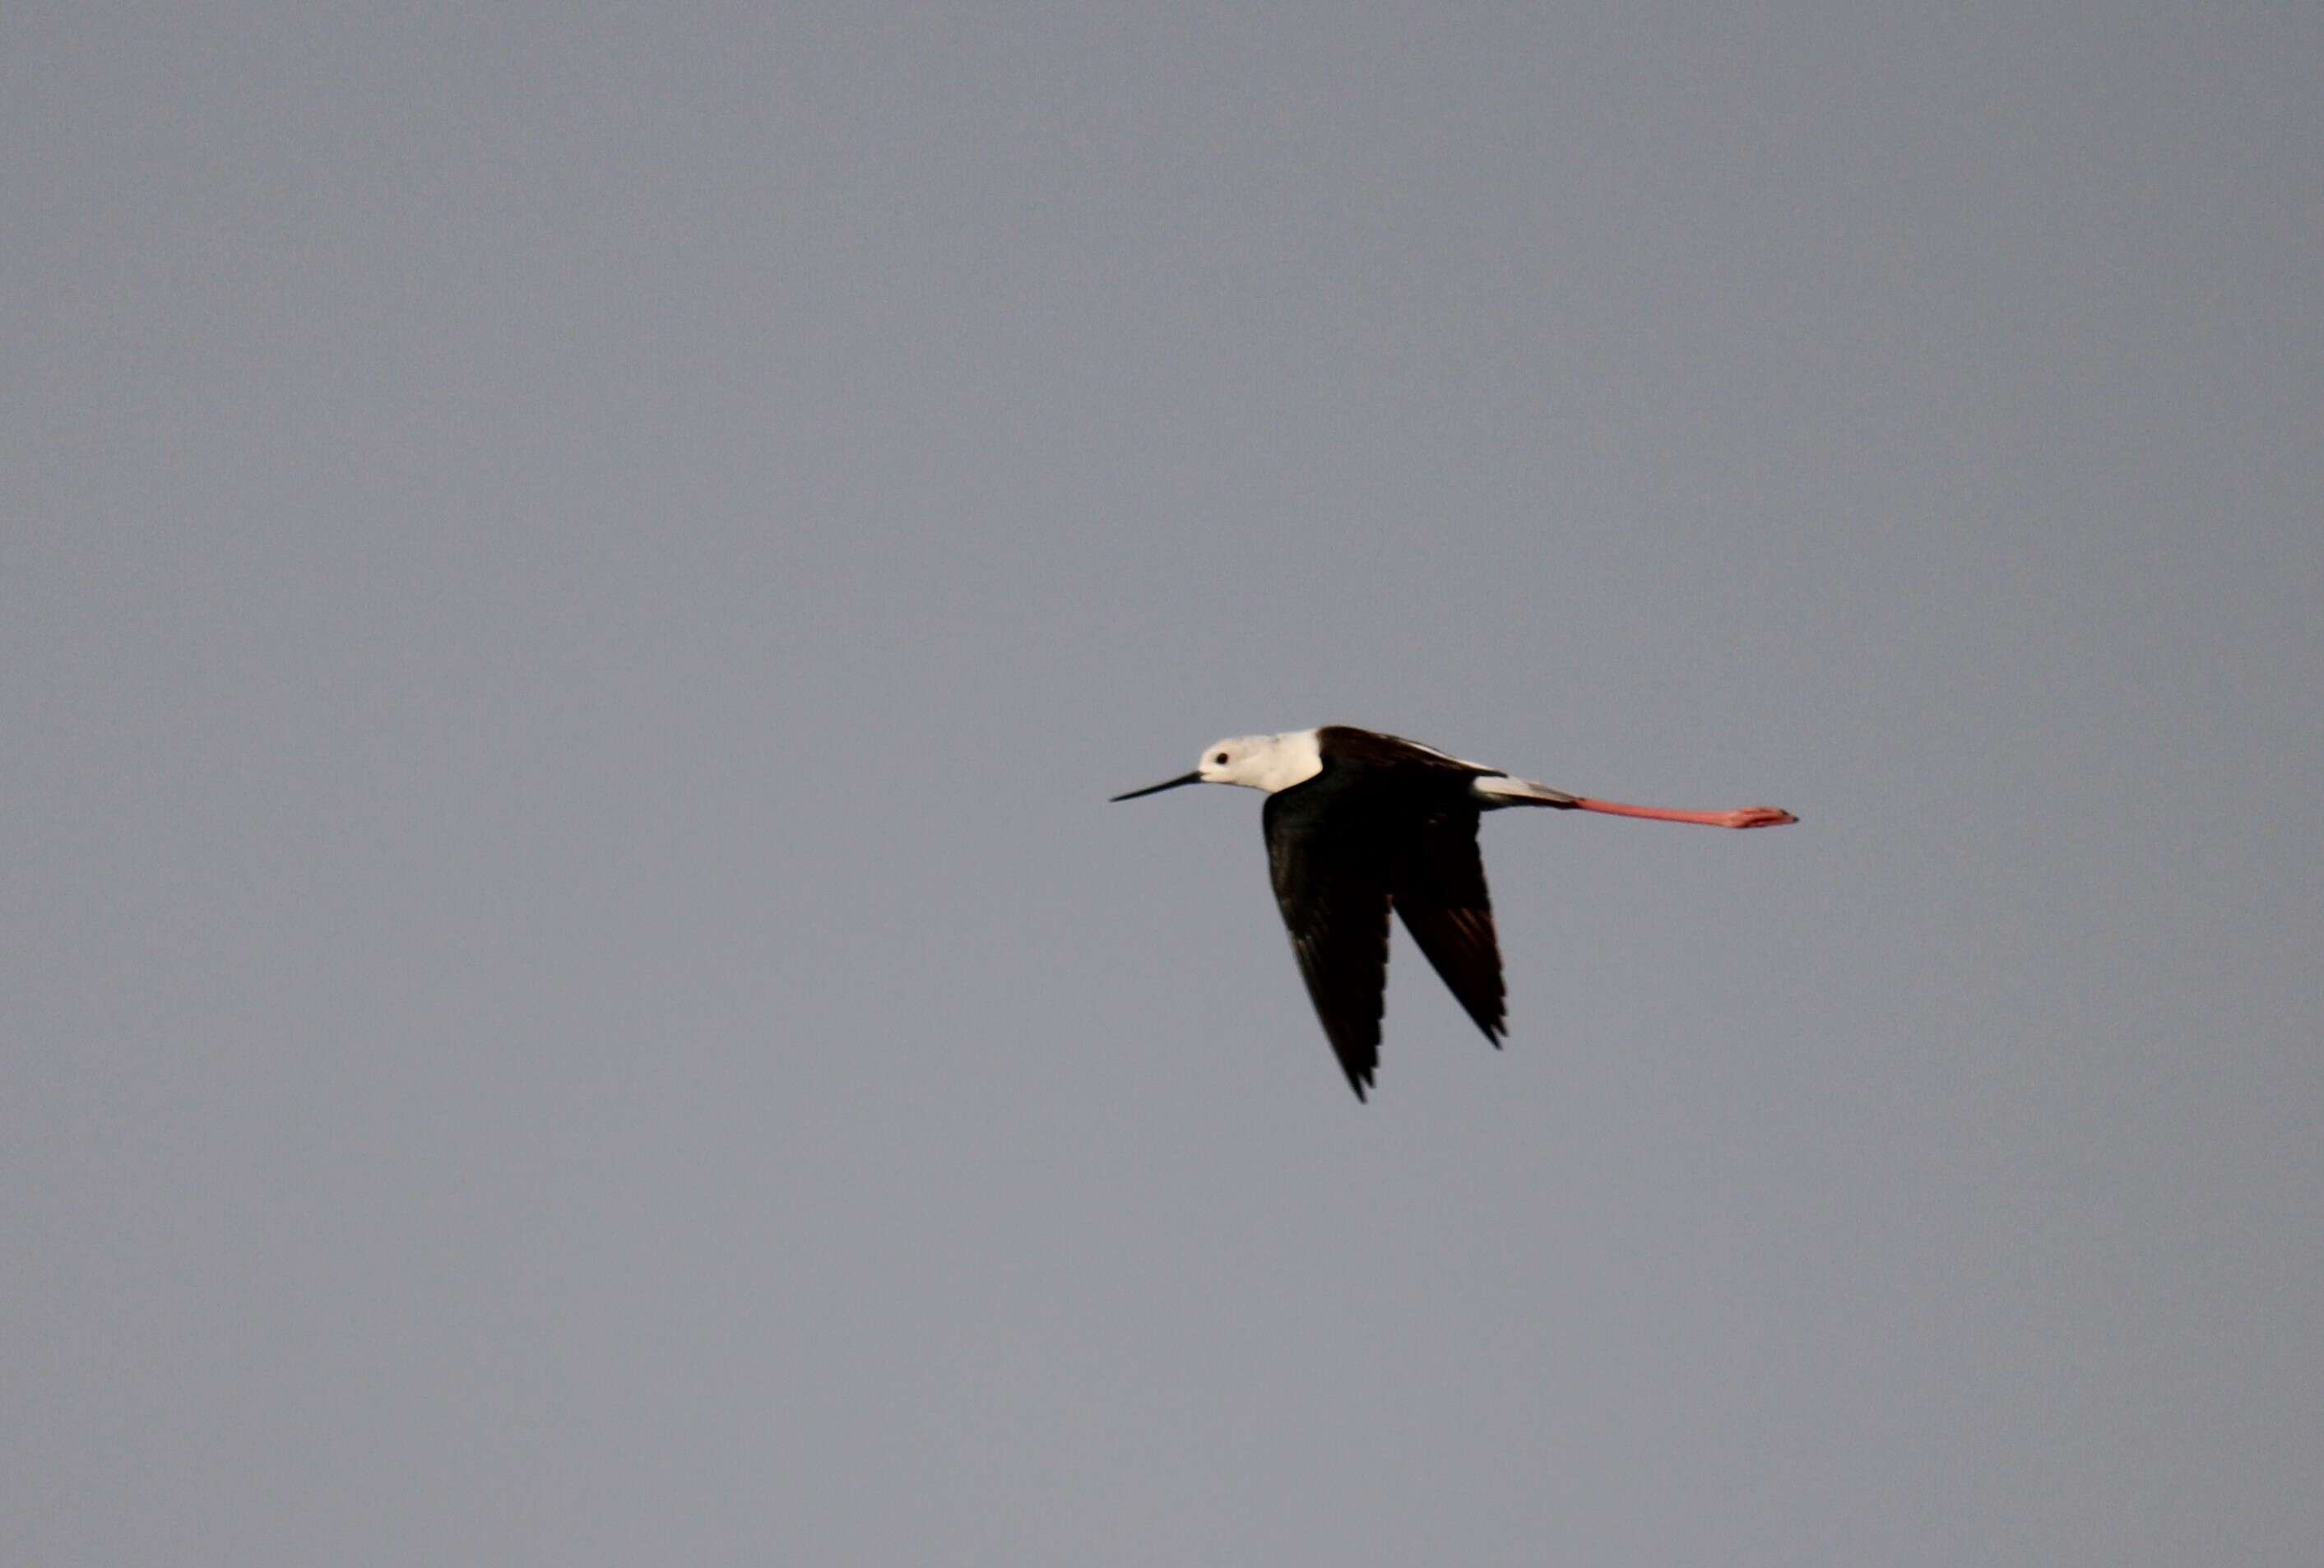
(1358, 823)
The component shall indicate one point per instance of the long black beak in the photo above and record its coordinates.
(1194, 778)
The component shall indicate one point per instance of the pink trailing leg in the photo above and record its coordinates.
(1744, 816)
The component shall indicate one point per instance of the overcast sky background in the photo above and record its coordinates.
(577, 579)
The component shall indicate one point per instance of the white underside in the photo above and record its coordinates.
(1496, 790)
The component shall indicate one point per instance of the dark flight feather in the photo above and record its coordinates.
(1384, 824)
(1443, 902)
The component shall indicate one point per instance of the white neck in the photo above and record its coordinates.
(1279, 762)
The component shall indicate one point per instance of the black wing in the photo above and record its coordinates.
(1333, 892)
(1441, 895)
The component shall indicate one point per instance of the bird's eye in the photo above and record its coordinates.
(1220, 760)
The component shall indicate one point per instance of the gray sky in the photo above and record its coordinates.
(575, 580)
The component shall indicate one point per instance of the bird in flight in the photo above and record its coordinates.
(1358, 823)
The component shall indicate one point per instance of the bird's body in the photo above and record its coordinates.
(1358, 823)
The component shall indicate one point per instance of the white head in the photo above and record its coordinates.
(1268, 762)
